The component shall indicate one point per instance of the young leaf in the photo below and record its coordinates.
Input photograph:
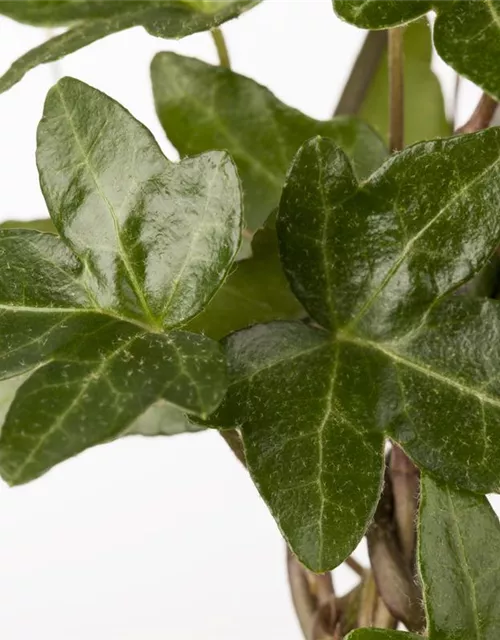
(424, 116)
(204, 107)
(466, 32)
(144, 227)
(459, 549)
(371, 262)
(144, 244)
(96, 20)
(256, 291)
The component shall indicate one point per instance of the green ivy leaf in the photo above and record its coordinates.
(118, 203)
(466, 32)
(424, 116)
(95, 20)
(256, 291)
(371, 262)
(205, 107)
(381, 634)
(459, 549)
(144, 244)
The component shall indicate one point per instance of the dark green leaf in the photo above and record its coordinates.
(381, 634)
(319, 471)
(424, 116)
(372, 258)
(372, 262)
(466, 32)
(97, 19)
(144, 244)
(459, 563)
(107, 380)
(204, 107)
(42, 224)
(256, 291)
(143, 227)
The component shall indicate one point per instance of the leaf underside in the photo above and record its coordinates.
(90, 21)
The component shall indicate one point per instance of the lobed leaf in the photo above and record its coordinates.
(205, 107)
(143, 227)
(373, 262)
(459, 547)
(143, 246)
(466, 32)
(96, 19)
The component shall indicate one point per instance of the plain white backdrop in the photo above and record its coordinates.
(164, 538)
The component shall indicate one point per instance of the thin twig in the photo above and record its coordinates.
(363, 71)
(353, 564)
(481, 116)
(396, 89)
(221, 46)
(405, 486)
(304, 601)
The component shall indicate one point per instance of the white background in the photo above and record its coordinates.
(165, 538)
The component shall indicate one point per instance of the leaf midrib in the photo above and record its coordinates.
(121, 249)
(390, 350)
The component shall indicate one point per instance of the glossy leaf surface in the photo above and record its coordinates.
(424, 110)
(256, 291)
(156, 237)
(459, 554)
(371, 263)
(466, 32)
(144, 244)
(96, 19)
(204, 107)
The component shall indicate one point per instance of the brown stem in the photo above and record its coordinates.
(363, 71)
(353, 564)
(396, 89)
(233, 440)
(481, 116)
(304, 601)
(405, 480)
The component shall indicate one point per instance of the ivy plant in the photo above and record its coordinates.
(317, 292)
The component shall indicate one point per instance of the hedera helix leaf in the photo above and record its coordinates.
(144, 244)
(424, 115)
(372, 262)
(459, 550)
(96, 19)
(204, 107)
(466, 32)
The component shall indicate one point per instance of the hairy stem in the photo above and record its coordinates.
(396, 89)
(221, 46)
